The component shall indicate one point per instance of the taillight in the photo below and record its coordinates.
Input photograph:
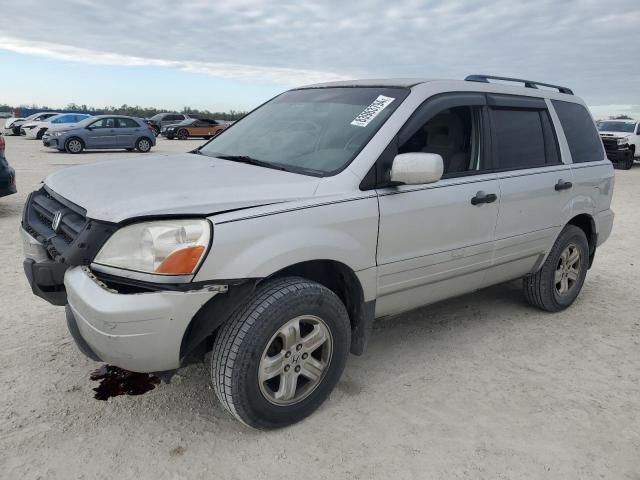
(2, 143)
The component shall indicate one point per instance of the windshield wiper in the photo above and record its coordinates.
(251, 161)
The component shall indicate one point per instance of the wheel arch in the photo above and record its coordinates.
(334, 275)
(587, 224)
(343, 281)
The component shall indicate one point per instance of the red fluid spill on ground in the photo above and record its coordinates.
(115, 381)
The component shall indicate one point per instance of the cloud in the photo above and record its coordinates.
(585, 44)
(278, 75)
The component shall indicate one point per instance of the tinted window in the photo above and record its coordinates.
(173, 118)
(127, 123)
(625, 127)
(519, 138)
(454, 135)
(583, 139)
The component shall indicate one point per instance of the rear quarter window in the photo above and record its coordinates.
(584, 142)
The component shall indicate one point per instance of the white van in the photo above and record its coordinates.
(278, 242)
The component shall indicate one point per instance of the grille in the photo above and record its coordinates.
(40, 214)
(610, 143)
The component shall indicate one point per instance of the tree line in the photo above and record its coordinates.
(133, 111)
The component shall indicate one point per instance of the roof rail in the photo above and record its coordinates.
(527, 83)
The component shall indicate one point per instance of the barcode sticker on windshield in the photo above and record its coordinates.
(372, 111)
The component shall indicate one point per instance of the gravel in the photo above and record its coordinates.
(481, 386)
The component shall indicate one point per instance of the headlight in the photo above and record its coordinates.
(52, 134)
(622, 141)
(164, 247)
(171, 128)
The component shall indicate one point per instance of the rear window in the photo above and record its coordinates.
(127, 123)
(583, 139)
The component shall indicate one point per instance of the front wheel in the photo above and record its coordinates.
(182, 134)
(280, 355)
(40, 134)
(557, 284)
(143, 145)
(74, 145)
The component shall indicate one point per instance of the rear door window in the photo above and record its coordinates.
(584, 142)
(519, 138)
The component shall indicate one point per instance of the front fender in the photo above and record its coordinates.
(257, 247)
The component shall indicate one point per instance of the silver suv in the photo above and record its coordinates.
(278, 242)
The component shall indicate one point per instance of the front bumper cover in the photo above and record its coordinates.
(140, 332)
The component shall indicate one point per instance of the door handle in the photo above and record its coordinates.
(482, 197)
(562, 185)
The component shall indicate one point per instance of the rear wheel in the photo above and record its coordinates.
(74, 145)
(280, 355)
(143, 145)
(182, 134)
(557, 284)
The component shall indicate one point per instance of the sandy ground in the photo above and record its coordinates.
(482, 386)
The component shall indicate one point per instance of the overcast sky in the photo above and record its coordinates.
(235, 54)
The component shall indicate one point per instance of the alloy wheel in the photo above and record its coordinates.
(295, 360)
(568, 271)
(74, 146)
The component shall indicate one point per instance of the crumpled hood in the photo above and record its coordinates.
(117, 190)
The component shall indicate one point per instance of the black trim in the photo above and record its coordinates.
(125, 285)
(82, 345)
(362, 327)
(515, 101)
(527, 83)
(211, 316)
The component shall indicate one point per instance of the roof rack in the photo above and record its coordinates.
(527, 83)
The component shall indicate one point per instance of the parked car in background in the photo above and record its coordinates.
(6, 115)
(193, 127)
(13, 124)
(164, 119)
(280, 241)
(7, 174)
(36, 130)
(621, 139)
(101, 132)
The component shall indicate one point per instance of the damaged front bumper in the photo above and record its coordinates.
(141, 332)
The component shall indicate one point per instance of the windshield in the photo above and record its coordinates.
(316, 131)
(625, 127)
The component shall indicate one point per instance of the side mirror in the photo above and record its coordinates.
(89, 127)
(416, 168)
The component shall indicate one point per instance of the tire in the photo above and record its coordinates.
(252, 336)
(40, 134)
(629, 163)
(182, 134)
(74, 145)
(542, 289)
(143, 144)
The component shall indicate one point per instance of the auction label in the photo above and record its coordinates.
(372, 111)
